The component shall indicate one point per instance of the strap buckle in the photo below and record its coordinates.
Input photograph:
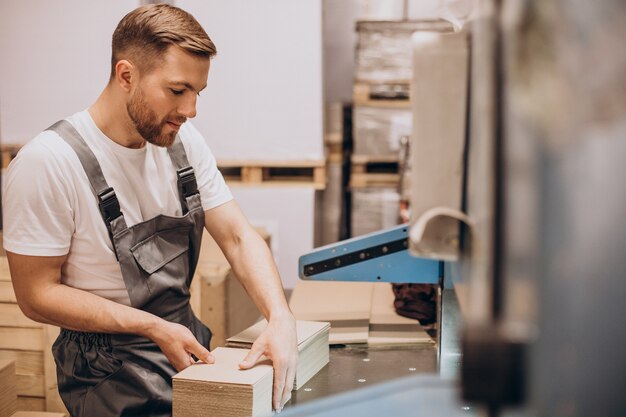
(187, 185)
(109, 206)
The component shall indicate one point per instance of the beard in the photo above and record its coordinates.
(146, 121)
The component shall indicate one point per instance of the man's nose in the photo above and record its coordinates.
(187, 107)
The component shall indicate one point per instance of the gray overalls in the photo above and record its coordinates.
(102, 375)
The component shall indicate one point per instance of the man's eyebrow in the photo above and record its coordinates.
(187, 85)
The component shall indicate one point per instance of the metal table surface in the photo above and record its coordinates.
(355, 366)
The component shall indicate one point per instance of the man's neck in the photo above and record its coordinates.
(110, 115)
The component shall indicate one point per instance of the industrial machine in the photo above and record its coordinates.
(516, 205)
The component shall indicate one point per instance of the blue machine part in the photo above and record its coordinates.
(379, 257)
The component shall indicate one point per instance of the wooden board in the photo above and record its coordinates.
(312, 338)
(26, 362)
(222, 389)
(37, 414)
(12, 316)
(5, 275)
(31, 403)
(8, 394)
(16, 338)
(7, 294)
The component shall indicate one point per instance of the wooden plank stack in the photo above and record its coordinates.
(222, 389)
(8, 391)
(28, 343)
(312, 346)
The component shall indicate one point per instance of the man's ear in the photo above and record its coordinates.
(125, 74)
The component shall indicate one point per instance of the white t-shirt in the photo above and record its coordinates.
(50, 209)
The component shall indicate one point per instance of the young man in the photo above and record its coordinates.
(104, 214)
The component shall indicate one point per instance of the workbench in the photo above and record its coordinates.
(366, 381)
(358, 366)
(363, 381)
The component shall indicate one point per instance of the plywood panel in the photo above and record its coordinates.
(12, 316)
(26, 362)
(21, 338)
(7, 294)
(31, 404)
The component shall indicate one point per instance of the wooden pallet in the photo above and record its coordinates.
(333, 144)
(374, 171)
(381, 95)
(274, 173)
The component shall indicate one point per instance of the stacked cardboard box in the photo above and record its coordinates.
(383, 118)
(386, 326)
(346, 305)
(222, 389)
(312, 346)
(358, 312)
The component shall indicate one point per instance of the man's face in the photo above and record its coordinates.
(165, 97)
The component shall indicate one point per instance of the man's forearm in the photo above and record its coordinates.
(254, 265)
(79, 310)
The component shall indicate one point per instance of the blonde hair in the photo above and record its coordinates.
(143, 35)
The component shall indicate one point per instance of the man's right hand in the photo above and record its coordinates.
(178, 344)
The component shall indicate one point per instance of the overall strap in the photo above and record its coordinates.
(187, 185)
(107, 200)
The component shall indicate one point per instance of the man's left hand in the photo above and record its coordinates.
(279, 343)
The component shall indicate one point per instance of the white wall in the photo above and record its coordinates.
(264, 94)
(55, 60)
(263, 100)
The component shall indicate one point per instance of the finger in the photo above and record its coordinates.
(256, 351)
(291, 375)
(279, 386)
(180, 362)
(201, 352)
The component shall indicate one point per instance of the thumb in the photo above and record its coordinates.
(256, 351)
(201, 352)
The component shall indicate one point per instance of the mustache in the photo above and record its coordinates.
(179, 121)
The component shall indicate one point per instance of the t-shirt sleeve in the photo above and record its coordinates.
(36, 203)
(213, 189)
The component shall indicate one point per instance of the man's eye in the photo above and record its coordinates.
(177, 92)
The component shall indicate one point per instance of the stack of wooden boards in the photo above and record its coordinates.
(28, 344)
(358, 312)
(222, 389)
(313, 353)
(8, 394)
(8, 391)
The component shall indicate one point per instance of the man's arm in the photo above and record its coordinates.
(254, 265)
(42, 297)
